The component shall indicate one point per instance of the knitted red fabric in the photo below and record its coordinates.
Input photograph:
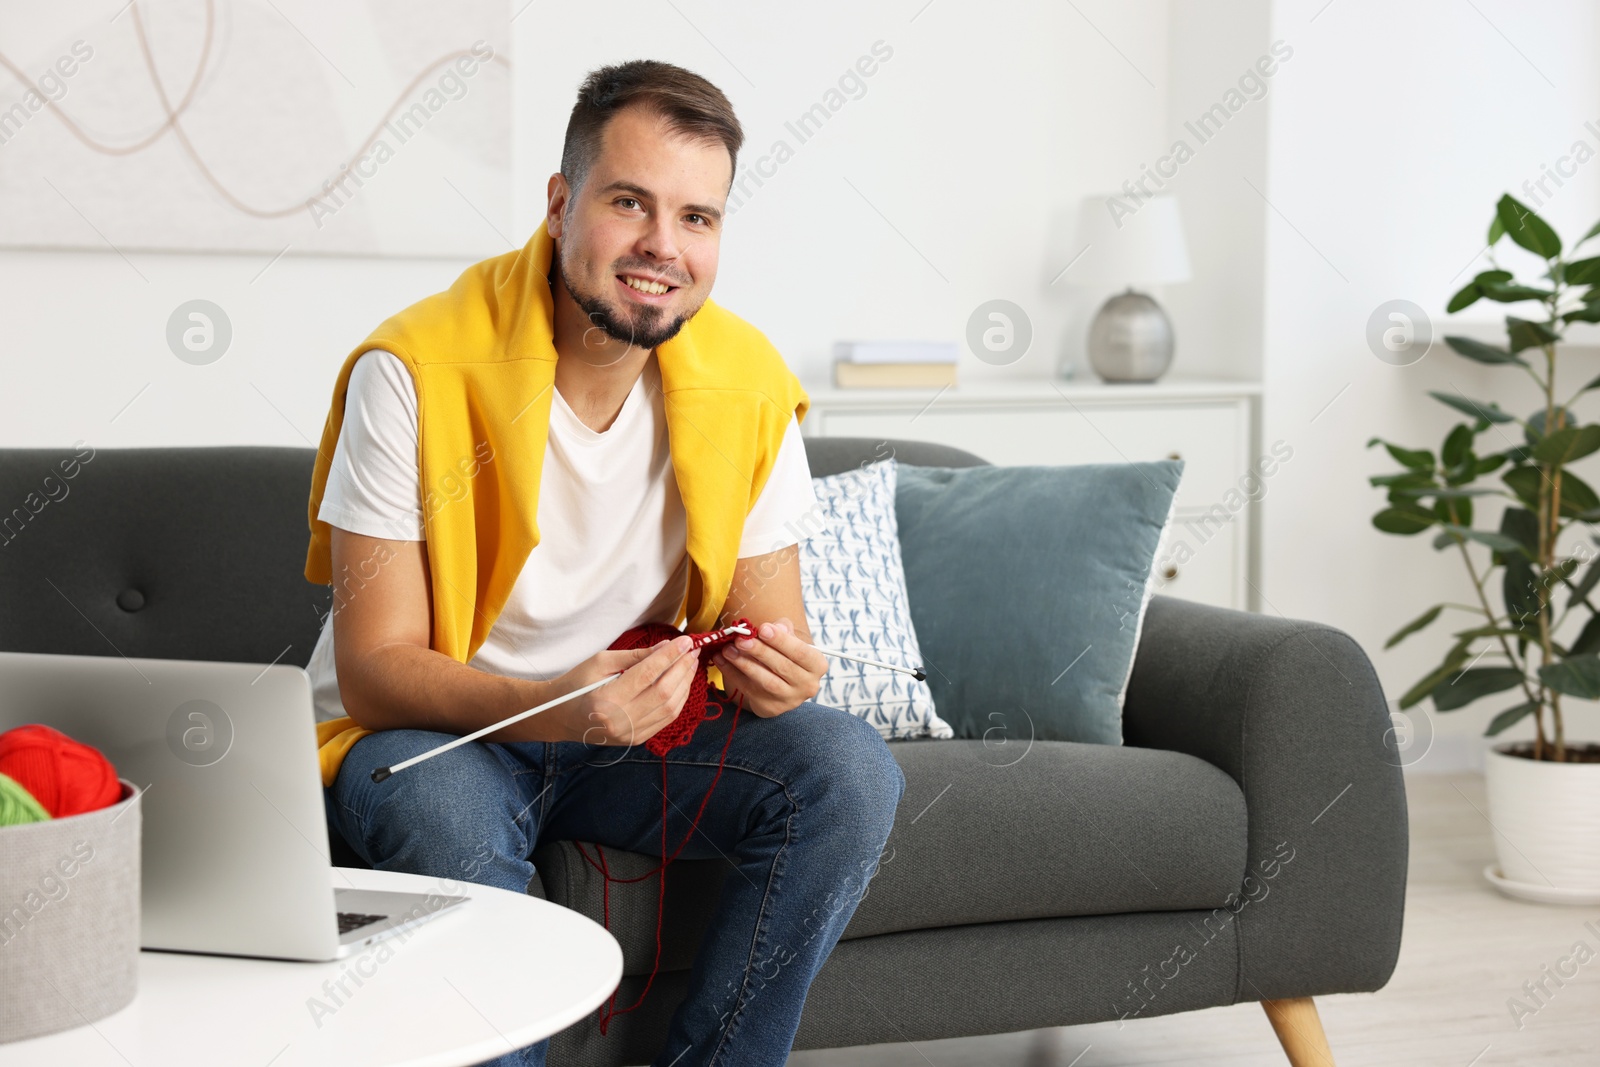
(677, 732)
(680, 730)
(66, 777)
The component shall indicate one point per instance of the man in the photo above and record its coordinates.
(571, 441)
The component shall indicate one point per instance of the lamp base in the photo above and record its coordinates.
(1130, 339)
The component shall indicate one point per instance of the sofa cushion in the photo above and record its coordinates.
(855, 603)
(1028, 586)
(986, 832)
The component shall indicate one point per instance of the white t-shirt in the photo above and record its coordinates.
(612, 550)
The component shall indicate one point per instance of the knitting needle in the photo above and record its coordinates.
(919, 675)
(383, 772)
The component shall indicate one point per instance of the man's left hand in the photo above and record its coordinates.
(775, 670)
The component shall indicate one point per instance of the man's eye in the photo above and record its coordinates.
(627, 200)
(702, 218)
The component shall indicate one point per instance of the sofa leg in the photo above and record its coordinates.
(1299, 1031)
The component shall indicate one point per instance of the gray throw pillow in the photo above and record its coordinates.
(1027, 588)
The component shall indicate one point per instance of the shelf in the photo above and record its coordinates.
(1038, 389)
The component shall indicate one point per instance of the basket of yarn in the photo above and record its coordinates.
(69, 884)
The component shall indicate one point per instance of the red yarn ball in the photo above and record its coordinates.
(65, 776)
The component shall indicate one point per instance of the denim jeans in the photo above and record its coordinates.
(801, 814)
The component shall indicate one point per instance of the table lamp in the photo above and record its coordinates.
(1130, 243)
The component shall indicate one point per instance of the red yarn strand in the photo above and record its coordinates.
(675, 734)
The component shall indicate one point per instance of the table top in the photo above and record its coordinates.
(498, 972)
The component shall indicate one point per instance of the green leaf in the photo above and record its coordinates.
(1452, 663)
(1458, 445)
(1497, 229)
(1582, 271)
(1576, 676)
(1482, 353)
(1587, 313)
(1566, 445)
(1459, 690)
(1457, 512)
(1486, 631)
(1588, 642)
(1560, 571)
(1595, 229)
(1526, 228)
(1469, 293)
(1521, 526)
(1414, 625)
(1512, 294)
(1417, 459)
(1404, 521)
(1519, 584)
(1577, 498)
(1487, 412)
(1509, 717)
(1497, 541)
(1404, 480)
(1592, 381)
(1525, 334)
(1590, 577)
(1465, 297)
(1524, 481)
(1534, 428)
(1442, 492)
(1489, 463)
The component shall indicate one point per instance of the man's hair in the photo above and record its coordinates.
(691, 106)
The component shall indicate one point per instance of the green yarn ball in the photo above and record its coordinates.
(17, 805)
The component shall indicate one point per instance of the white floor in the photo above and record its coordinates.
(1466, 951)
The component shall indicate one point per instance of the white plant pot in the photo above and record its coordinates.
(1546, 819)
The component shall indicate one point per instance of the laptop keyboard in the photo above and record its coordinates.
(354, 920)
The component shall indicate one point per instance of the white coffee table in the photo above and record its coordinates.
(498, 972)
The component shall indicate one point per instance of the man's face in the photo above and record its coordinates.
(648, 216)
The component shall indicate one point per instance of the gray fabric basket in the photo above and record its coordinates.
(69, 919)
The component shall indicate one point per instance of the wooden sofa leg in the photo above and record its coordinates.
(1299, 1031)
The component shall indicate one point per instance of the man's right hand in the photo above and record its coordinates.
(630, 710)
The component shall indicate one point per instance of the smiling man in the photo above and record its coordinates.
(571, 441)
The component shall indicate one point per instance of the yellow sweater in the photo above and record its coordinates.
(483, 362)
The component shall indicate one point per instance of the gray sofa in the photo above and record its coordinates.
(1247, 842)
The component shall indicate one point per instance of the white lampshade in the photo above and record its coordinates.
(1142, 245)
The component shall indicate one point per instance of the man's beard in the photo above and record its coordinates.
(646, 327)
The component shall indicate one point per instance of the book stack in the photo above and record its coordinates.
(894, 364)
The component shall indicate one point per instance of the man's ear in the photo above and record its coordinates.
(556, 196)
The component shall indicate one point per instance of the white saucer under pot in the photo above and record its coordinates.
(1546, 818)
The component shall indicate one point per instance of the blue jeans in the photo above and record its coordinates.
(802, 812)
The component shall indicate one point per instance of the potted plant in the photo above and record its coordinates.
(1532, 631)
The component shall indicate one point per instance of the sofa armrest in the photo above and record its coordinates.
(1294, 712)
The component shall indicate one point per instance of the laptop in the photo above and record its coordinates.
(235, 836)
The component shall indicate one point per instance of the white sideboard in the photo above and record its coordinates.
(1209, 553)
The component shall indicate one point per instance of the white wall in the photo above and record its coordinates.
(1393, 132)
(1217, 315)
(968, 139)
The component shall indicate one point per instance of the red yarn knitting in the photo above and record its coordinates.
(65, 776)
(677, 732)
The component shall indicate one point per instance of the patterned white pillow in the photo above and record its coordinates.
(855, 593)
